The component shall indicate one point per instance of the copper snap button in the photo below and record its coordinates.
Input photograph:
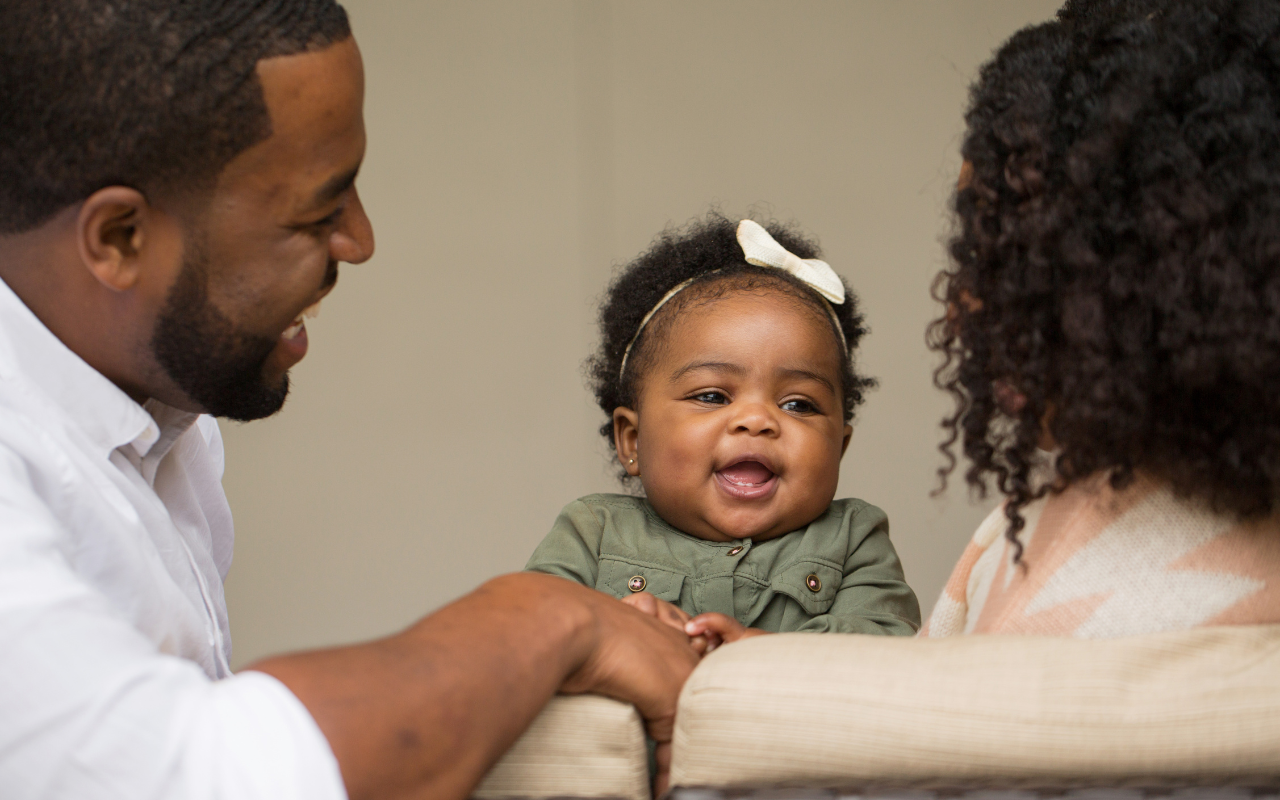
(636, 584)
(813, 582)
(735, 550)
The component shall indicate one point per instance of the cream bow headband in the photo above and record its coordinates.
(762, 250)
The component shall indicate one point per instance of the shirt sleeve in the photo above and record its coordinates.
(874, 596)
(90, 708)
(572, 548)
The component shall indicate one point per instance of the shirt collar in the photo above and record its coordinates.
(158, 439)
(110, 418)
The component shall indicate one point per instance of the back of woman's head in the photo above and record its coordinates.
(1115, 278)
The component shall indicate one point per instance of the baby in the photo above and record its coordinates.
(726, 370)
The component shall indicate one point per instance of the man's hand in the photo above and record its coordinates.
(426, 712)
(621, 656)
(672, 615)
(642, 658)
(719, 629)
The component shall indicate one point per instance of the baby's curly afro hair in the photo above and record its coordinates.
(1115, 277)
(707, 252)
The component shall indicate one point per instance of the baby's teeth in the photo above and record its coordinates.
(312, 311)
(293, 330)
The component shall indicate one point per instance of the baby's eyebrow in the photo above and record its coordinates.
(809, 375)
(739, 370)
(714, 366)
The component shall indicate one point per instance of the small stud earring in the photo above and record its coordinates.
(631, 461)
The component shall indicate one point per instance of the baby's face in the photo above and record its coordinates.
(740, 425)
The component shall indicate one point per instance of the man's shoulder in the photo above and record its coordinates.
(29, 435)
(36, 476)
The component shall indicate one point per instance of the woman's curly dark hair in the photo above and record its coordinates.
(707, 252)
(1115, 276)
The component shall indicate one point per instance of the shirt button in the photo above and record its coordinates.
(636, 584)
(735, 551)
(814, 583)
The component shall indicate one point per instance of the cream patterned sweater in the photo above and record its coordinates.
(1100, 564)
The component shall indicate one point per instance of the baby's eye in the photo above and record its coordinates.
(799, 407)
(711, 398)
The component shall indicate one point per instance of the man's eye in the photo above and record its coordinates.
(799, 407)
(711, 398)
(327, 221)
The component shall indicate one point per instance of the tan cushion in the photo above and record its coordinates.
(581, 746)
(836, 710)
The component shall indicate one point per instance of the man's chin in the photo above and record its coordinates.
(226, 371)
(243, 403)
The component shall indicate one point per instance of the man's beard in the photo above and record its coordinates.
(202, 351)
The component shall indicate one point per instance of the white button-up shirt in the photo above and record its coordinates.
(115, 538)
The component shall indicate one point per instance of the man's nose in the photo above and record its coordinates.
(352, 242)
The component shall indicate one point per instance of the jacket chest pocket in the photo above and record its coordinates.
(620, 579)
(812, 584)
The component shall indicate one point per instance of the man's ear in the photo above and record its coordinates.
(626, 436)
(848, 437)
(112, 230)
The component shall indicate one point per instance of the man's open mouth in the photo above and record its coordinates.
(310, 312)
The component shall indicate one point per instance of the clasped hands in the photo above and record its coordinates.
(706, 632)
(641, 658)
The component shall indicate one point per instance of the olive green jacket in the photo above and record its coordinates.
(840, 573)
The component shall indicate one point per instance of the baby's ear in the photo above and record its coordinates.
(626, 436)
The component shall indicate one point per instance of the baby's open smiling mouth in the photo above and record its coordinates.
(747, 480)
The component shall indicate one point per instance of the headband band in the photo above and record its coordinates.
(762, 250)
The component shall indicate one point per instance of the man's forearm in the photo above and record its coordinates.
(427, 711)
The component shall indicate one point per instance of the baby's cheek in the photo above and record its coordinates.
(825, 474)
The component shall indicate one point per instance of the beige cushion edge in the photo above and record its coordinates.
(856, 709)
(579, 746)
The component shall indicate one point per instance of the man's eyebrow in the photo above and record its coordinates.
(714, 366)
(334, 187)
(811, 376)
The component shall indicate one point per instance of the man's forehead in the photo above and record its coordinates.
(315, 103)
(313, 78)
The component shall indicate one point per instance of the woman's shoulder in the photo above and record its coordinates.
(1097, 561)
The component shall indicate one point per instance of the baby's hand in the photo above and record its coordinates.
(718, 629)
(672, 615)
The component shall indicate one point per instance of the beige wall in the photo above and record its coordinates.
(517, 152)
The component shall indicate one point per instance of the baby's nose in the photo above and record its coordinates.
(756, 419)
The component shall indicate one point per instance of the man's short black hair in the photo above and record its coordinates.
(157, 95)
